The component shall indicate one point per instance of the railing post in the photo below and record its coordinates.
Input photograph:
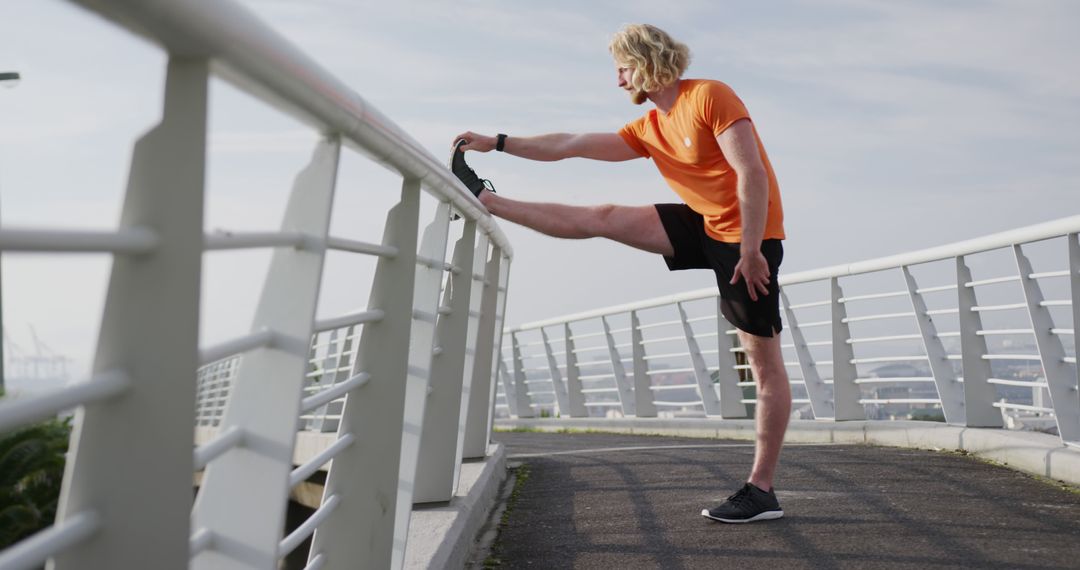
(573, 383)
(978, 393)
(522, 406)
(731, 394)
(486, 363)
(820, 403)
(264, 401)
(556, 378)
(1060, 379)
(367, 476)
(429, 280)
(846, 393)
(950, 390)
(152, 422)
(503, 271)
(626, 394)
(643, 394)
(708, 395)
(1074, 278)
(439, 456)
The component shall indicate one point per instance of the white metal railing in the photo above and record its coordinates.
(364, 378)
(877, 354)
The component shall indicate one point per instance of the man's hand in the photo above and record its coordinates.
(473, 141)
(754, 269)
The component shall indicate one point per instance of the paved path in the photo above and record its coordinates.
(615, 502)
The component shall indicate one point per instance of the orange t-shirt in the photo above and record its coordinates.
(683, 145)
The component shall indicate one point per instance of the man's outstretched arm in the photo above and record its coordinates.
(597, 146)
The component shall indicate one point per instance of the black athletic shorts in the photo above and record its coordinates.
(694, 249)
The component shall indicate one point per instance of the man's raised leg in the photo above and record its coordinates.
(636, 226)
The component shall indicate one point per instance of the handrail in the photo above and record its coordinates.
(259, 60)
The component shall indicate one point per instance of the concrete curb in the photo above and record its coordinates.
(1035, 453)
(441, 535)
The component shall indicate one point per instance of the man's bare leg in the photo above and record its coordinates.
(773, 404)
(636, 226)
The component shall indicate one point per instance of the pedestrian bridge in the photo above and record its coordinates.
(381, 420)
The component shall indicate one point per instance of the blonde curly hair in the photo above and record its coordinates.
(657, 60)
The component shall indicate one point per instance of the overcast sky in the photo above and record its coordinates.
(892, 126)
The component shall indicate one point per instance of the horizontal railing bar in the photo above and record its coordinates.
(669, 355)
(200, 540)
(308, 469)
(910, 358)
(873, 296)
(938, 289)
(745, 384)
(543, 393)
(992, 281)
(894, 380)
(438, 264)
(1056, 303)
(131, 241)
(596, 376)
(1063, 331)
(1008, 307)
(883, 338)
(1064, 273)
(1003, 332)
(700, 319)
(586, 335)
(876, 317)
(663, 339)
(660, 324)
(232, 436)
(1069, 359)
(1023, 407)
(662, 387)
(17, 412)
(678, 404)
(1024, 383)
(263, 338)
(289, 543)
(1011, 357)
(342, 244)
(814, 324)
(935, 312)
(603, 404)
(741, 367)
(669, 371)
(808, 305)
(253, 240)
(599, 390)
(901, 401)
(331, 394)
(348, 320)
(35, 550)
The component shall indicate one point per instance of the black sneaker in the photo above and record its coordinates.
(467, 175)
(748, 504)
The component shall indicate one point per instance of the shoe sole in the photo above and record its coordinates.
(765, 516)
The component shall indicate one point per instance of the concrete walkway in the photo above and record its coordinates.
(599, 501)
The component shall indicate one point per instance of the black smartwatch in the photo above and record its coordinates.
(501, 142)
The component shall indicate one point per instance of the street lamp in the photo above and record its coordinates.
(8, 79)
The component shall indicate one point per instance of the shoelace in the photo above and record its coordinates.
(740, 497)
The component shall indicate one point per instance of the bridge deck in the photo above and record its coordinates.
(615, 501)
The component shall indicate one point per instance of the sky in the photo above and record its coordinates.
(892, 126)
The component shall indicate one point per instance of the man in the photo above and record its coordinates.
(701, 139)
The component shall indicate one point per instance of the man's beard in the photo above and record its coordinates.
(638, 96)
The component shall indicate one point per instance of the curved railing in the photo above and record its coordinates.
(975, 333)
(400, 392)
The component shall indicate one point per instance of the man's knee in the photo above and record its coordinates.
(603, 220)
